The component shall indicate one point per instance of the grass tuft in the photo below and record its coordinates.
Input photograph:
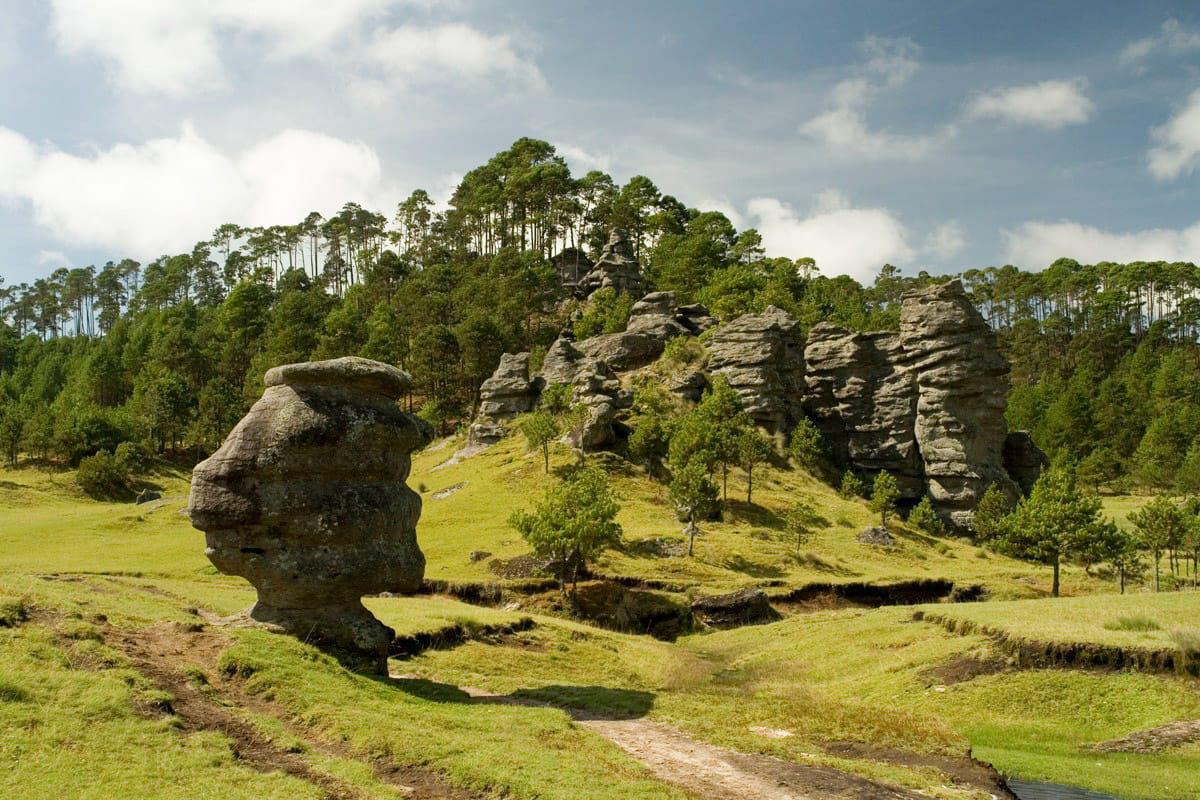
(1140, 624)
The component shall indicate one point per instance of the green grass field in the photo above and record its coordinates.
(867, 677)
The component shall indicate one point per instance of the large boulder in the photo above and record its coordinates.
(863, 399)
(762, 358)
(307, 500)
(962, 389)
(651, 325)
(507, 394)
(616, 268)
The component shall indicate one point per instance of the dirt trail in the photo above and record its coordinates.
(710, 771)
(164, 652)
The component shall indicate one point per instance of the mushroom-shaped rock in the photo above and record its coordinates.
(307, 500)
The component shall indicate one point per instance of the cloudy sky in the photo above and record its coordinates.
(934, 136)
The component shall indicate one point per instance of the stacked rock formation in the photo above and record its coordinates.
(307, 500)
(863, 399)
(962, 392)
(926, 404)
(616, 268)
(762, 358)
(507, 394)
(653, 321)
(594, 385)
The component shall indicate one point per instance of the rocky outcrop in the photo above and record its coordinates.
(506, 394)
(1023, 460)
(594, 385)
(652, 323)
(863, 399)
(926, 404)
(307, 500)
(962, 390)
(762, 358)
(743, 607)
(616, 268)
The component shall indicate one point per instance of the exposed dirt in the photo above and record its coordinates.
(165, 651)
(1154, 740)
(710, 771)
(963, 771)
(963, 669)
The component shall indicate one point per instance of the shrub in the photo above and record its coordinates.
(102, 477)
(852, 486)
(134, 457)
(683, 351)
(806, 446)
(924, 518)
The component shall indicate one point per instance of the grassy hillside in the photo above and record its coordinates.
(750, 547)
(872, 692)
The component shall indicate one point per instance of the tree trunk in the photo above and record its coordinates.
(1054, 586)
(749, 486)
(546, 455)
(1156, 559)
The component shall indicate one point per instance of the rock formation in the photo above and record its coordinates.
(506, 394)
(863, 399)
(926, 404)
(762, 357)
(653, 321)
(307, 500)
(615, 269)
(962, 393)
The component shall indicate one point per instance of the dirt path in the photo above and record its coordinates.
(710, 771)
(1154, 740)
(164, 653)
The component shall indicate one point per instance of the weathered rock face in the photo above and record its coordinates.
(307, 500)
(506, 394)
(863, 399)
(652, 324)
(762, 357)
(1023, 460)
(962, 389)
(616, 268)
(594, 385)
(743, 607)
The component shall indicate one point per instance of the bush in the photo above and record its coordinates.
(101, 476)
(134, 457)
(683, 351)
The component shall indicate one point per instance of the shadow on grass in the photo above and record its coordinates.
(581, 702)
(759, 516)
(754, 569)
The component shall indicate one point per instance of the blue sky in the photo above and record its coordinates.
(934, 136)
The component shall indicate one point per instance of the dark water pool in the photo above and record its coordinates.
(1034, 790)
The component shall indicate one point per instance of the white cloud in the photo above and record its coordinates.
(946, 240)
(174, 47)
(1035, 245)
(1052, 104)
(165, 194)
(843, 240)
(887, 64)
(584, 160)
(1177, 148)
(53, 258)
(413, 54)
(1172, 39)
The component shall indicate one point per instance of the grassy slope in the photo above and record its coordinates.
(844, 675)
(749, 548)
(1096, 619)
